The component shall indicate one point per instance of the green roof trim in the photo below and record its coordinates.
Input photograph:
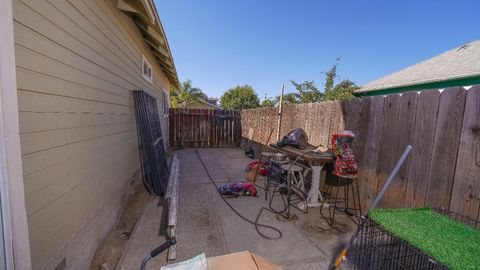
(419, 87)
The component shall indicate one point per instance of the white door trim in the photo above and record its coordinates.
(14, 217)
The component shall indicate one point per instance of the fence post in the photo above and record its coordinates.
(280, 108)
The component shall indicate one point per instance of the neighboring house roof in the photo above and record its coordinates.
(191, 104)
(457, 67)
(145, 16)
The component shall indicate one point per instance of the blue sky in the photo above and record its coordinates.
(219, 44)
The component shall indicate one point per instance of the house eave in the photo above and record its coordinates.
(145, 17)
(419, 87)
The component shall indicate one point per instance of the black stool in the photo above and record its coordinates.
(275, 175)
(342, 203)
(264, 162)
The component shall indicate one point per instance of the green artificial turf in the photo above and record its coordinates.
(454, 244)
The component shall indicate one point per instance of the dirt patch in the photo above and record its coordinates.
(110, 250)
(317, 228)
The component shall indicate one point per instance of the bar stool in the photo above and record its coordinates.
(263, 161)
(296, 177)
(275, 175)
(347, 203)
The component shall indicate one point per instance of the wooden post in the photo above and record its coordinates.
(280, 107)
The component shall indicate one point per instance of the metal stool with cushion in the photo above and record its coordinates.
(347, 203)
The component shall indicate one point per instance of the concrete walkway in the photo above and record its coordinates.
(206, 224)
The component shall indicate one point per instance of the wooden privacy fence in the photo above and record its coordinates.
(443, 169)
(204, 128)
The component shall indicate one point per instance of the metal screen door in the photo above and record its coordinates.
(152, 148)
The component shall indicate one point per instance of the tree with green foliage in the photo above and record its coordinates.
(186, 93)
(239, 98)
(289, 98)
(308, 92)
(268, 103)
(343, 90)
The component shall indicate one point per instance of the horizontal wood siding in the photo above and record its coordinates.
(78, 62)
(443, 127)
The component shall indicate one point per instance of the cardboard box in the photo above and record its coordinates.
(244, 260)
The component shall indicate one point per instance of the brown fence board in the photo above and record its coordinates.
(369, 157)
(356, 114)
(336, 119)
(404, 128)
(423, 139)
(386, 160)
(444, 155)
(465, 197)
(324, 114)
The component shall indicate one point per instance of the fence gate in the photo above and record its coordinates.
(204, 128)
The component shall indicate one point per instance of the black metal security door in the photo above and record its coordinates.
(152, 150)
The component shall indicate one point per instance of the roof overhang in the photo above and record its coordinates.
(145, 16)
(204, 102)
(419, 87)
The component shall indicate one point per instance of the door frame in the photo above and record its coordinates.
(14, 216)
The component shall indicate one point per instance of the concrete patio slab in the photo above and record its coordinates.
(206, 224)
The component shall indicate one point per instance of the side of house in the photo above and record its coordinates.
(77, 63)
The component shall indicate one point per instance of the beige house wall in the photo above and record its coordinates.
(77, 62)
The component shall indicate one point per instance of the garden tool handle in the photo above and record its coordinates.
(170, 242)
(379, 196)
(390, 178)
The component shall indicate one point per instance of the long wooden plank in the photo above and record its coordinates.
(423, 140)
(445, 148)
(465, 197)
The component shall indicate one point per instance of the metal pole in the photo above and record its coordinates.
(343, 253)
(391, 177)
(280, 108)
